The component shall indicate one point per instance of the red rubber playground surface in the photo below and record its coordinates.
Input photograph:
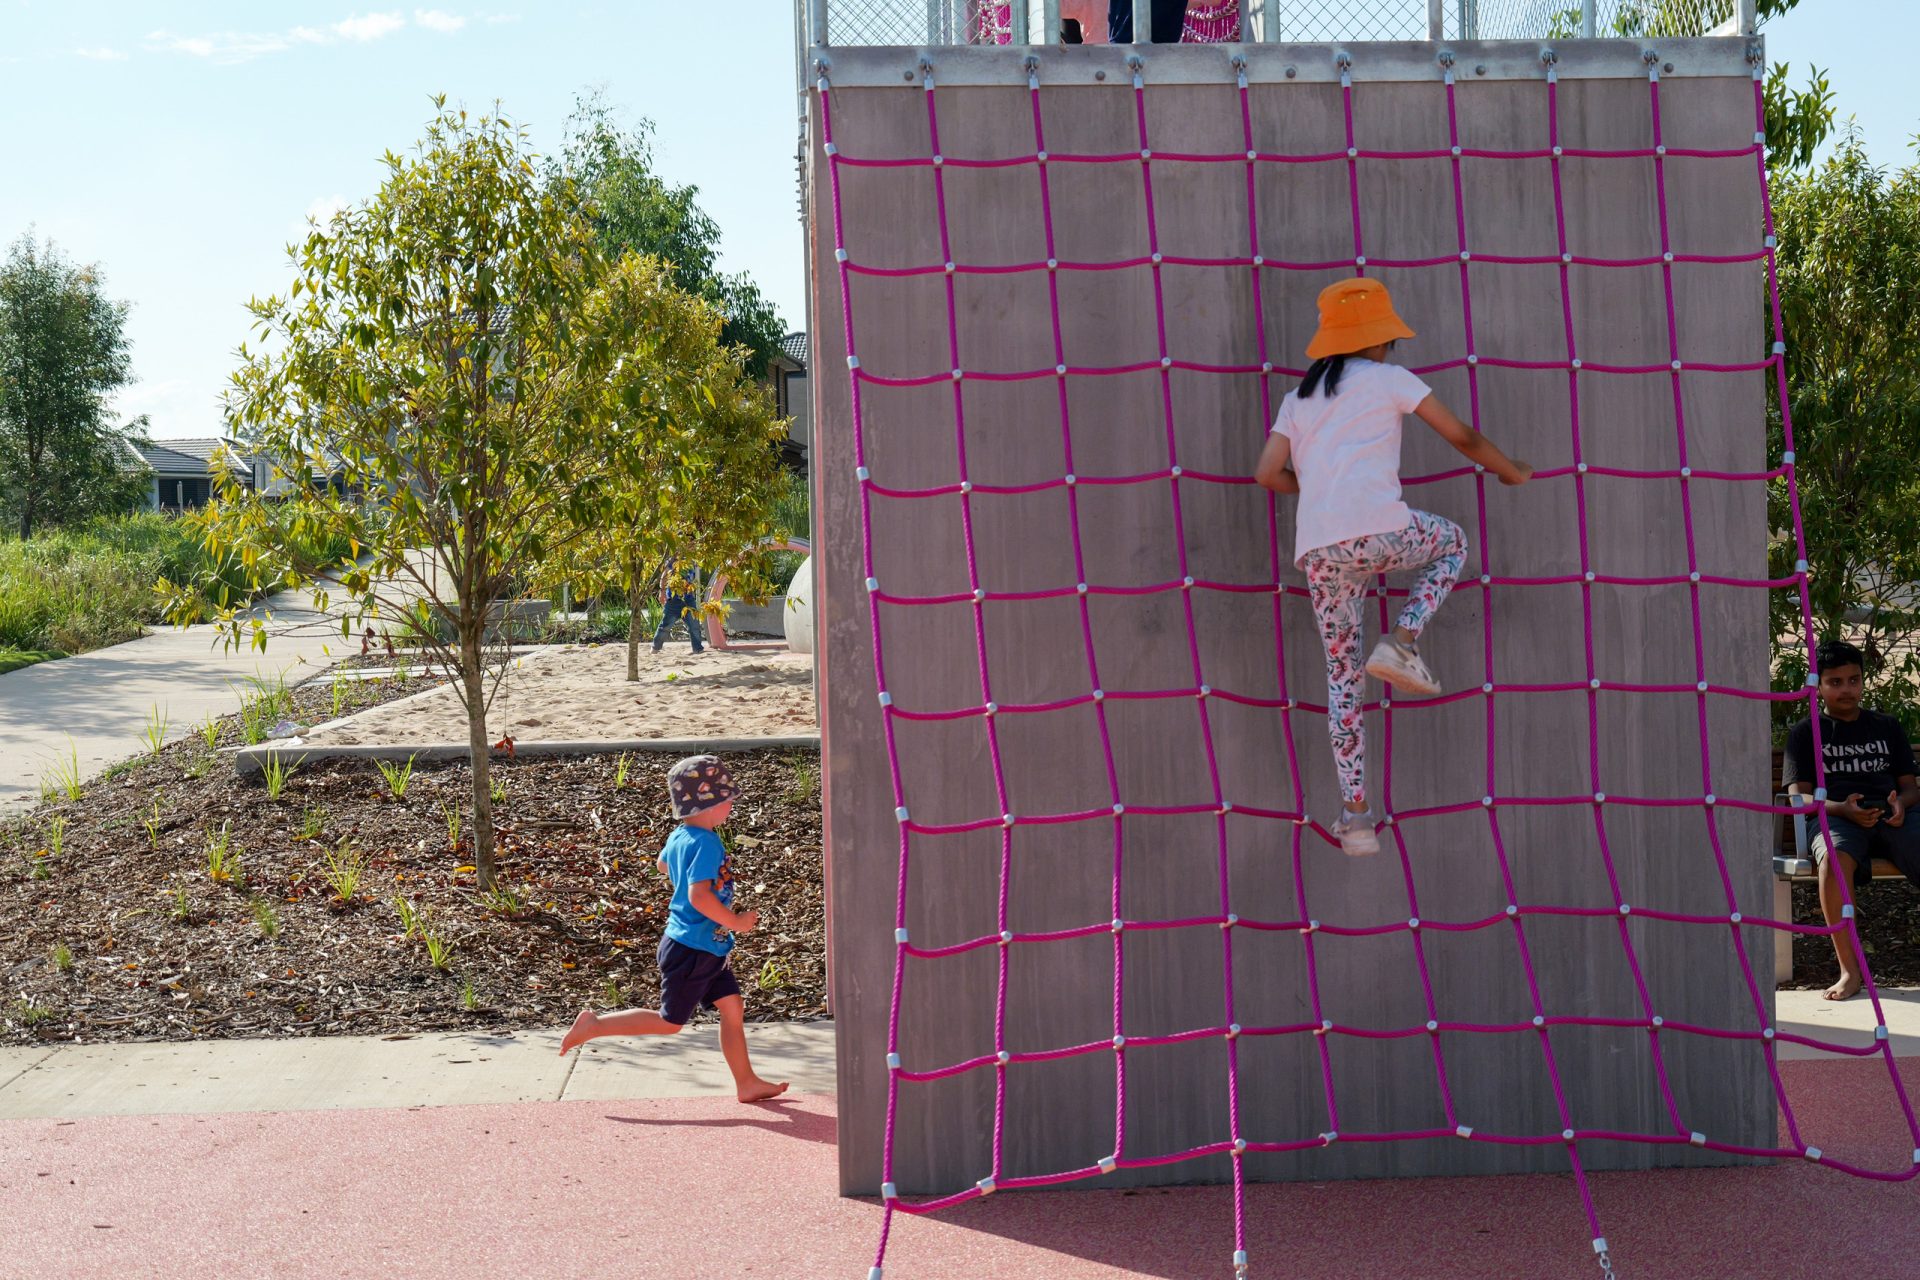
(705, 1187)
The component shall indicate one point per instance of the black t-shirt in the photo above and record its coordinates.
(1865, 756)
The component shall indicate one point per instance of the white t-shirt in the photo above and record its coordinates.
(1346, 451)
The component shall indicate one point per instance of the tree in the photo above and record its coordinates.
(461, 349)
(635, 210)
(1850, 294)
(713, 492)
(63, 353)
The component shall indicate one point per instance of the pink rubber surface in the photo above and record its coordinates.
(706, 1188)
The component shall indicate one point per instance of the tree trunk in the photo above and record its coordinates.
(635, 625)
(479, 750)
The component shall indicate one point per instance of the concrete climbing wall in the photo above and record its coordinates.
(1061, 1114)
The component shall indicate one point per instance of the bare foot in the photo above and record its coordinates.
(579, 1033)
(1846, 988)
(761, 1090)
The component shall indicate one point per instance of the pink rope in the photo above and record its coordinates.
(1580, 475)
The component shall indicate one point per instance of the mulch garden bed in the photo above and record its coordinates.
(121, 933)
(1889, 915)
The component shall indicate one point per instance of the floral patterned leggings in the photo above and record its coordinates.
(1337, 578)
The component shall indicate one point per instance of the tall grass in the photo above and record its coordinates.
(72, 590)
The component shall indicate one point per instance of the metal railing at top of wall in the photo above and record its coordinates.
(1019, 22)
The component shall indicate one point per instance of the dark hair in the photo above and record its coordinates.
(1837, 653)
(1327, 367)
(1070, 31)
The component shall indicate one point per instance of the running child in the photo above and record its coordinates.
(701, 923)
(1336, 443)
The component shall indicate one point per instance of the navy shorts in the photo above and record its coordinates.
(1899, 845)
(691, 979)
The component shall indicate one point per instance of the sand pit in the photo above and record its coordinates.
(581, 694)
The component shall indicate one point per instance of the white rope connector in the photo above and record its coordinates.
(1053, 264)
(1259, 260)
(1003, 1057)
(1080, 587)
(1099, 695)
(1487, 687)
(938, 161)
(1233, 1031)
(1330, 1137)
(1594, 683)
(947, 267)
(832, 150)
(1456, 148)
(1799, 566)
(900, 935)
(1156, 257)
(1166, 362)
(893, 1062)
(1360, 261)
(1813, 681)
(1589, 575)
(1108, 1164)
(873, 584)
(839, 255)
(1771, 242)
(1735, 918)
(1006, 937)
(1466, 256)
(1697, 1138)
(1353, 153)
(1186, 583)
(1813, 1154)
(1880, 1032)
(1599, 1244)
(992, 708)
(1566, 257)
(1231, 920)
(1599, 797)
(1709, 799)
(1326, 1025)
(1205, 689)
(1041, 157)
(1846, 911)
(1667, 256)
(1239, 1146)
(979, 595)
(1660, 149)
(1176, 471)
(1779, 348)
(1119, 809)
(1566, 1135)
(1413, 922)
(1313, 926)
(966, 486)
(957, 375)
(1819, 793)
(1463, 1131)
(1766, 1033)
(1539, 1021)
(1760, 140)
(1118, 924)
(862, 473)
(1658, 1021)
(1433, 1028)
(1253, 155)
(1266, 366)
(888, 1192)
(986, 1186)
(1702, 687)
(900, 815)
(1226, 806)
(1556, 152)
(853, 362)
(1006, 819)
(1060, 371)
(1486, 580)
(1119, 1042)
(1513, 909)
(1474, 359)
(1676, 366)
(886, 699)
(1625, 909)
(1146, 153)
(1486, 801)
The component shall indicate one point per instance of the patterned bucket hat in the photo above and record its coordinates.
(698, 783)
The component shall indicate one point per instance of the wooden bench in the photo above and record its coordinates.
(1793, 863)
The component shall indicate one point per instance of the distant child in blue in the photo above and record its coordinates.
(701, 923)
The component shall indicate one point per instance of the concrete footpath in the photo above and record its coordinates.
(95, 705)
(347, 1072)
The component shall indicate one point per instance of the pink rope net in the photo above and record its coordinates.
(1516, 914)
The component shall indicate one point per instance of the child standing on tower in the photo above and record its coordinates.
(701, 923)
(1336, 443)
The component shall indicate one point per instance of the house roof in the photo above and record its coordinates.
(795, 345)
(181, 457)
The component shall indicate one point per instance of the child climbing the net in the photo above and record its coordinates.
(1336, 443)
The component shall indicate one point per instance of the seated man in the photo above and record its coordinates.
(1870, 787)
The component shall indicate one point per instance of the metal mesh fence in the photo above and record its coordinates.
(917, 22)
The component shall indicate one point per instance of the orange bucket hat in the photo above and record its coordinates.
(1354, 315)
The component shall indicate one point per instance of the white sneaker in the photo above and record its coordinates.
(1356, 833)
(1400, 666)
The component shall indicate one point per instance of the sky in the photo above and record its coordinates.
(181, 146)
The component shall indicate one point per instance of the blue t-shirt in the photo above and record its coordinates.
(694, 854)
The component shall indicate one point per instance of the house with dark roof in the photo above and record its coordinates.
(793, 397)
(182, 470)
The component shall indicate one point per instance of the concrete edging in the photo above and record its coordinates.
(249, 762)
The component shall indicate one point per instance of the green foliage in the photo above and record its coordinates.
(398, 776)
(62, 957)
(151, 824)
(313, 820)
(90, 586)
(1850, 295)
(12, 659)
(451, 814)
(635, 210)
(502, 900)
(182, 909)
(223, 856)
(154, 734)
(410, 916)
(620, 766)
(265, 918)
(277, 772)
(344, 867)
(62, 777)
(57, 837)
(210, 733)
(63, 355)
